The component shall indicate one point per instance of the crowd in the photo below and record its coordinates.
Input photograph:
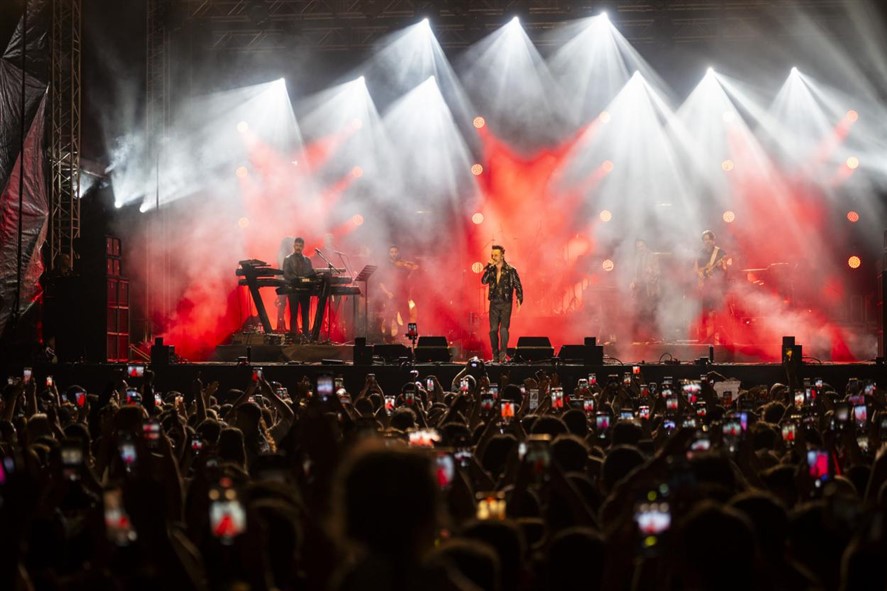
(614, 483)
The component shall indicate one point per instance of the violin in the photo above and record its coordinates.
(409, 265)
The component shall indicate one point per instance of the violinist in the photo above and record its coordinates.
(395, 285)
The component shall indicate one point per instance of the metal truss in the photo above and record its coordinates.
(64, 149)
(339, 25)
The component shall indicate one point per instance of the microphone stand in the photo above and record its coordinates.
(328, 286)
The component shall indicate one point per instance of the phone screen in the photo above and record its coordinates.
(486, 401)
(818, 463)
(118, 526)
(429, 384)
(533, 403)
(445, 469)
(227, 518)
(27, 373)
(135, 371)
(507, 410)
(324, 387)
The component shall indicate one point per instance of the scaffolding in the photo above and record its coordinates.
(64, 149)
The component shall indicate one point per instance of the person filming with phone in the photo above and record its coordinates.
(505, 284)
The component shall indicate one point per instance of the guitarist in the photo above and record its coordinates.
(711, 272)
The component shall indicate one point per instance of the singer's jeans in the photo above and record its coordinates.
(500, 320)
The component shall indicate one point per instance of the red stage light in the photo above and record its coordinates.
(606, 216)
(853, 163)
(852, 216)
(477, 267)
(477, 169)
(729, 217)
(479, 122)
(608, 265)
(478, 218)
(854, 262)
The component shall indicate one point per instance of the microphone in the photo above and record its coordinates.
(316, 250)
(339, 253)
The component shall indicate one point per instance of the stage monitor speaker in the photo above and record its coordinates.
(390, 353)
(533, 349)
(363, 355)
(589, 355)
(161, 355)
(430, 349)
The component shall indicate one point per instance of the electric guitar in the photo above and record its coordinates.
(719, 263)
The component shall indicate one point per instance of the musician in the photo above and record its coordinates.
(645, 290)
(505, 284)
(296, 268)
(395, 284)
(711, 272)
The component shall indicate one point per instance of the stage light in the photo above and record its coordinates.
(606, 216)
(243, 127)
(477, 169)
(478, 218)
(853, 163)
(241, 172)
(515, 21)
(243, 222)
(477, 267)
(357, 172)
(424, 22)
(852, 116)
(604, 117)
(727, 165)
(479, 122)
(608, 265)
(607, 166)
(794, 70)
(357, 219)
(854, 262)
(118, 204)
(729, 217)
(144, 208)
(710, 70)
(852, 216)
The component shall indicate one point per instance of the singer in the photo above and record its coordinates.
(504, 285)
(296, 268)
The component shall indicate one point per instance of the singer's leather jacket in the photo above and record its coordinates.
(509, 283)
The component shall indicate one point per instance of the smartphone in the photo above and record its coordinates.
(227, 518)
(475, 363)
(626, 379)
(409, 397)
(818, 465)
(701, 442)
(444, 469)
(72, 460)
(862, 441)
(491, 505)
(127, 450)
(197, 444)
(626, 415)
(691, 392)
(118, 527)
(462, 455)
(669, 425)
(636, 370)
(486, 401)
(860, 415)
(429, 384)
(463, 385)
(135, 370)
(506, 410)
(592, 379)
(582, 384)
(652, 515)
(257, 374)
(423, 438)
(389, 403)
(133, 396)
(644, 412)
(79, 398)
(870, 389)
(701, 409)
(494, 390)
(799, 398)
(789, 432)
(557, 398)
(671, 404)
(533, 403)
(324, 387)
(842, 413)
(602, 423)
(538, 456)
(339, 383)
(49, 381)
(27, 374)
(588, 405)
(151, 433)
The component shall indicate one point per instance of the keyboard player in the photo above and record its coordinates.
(297, 270)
